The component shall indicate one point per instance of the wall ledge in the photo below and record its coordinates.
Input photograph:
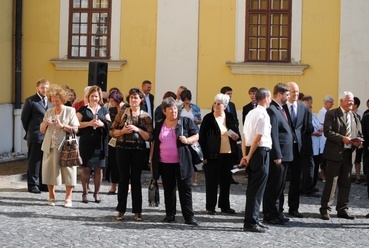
(82, 64)
(267, 68)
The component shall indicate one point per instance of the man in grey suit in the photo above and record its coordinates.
(281, 155)
(340, 127)
(32, 116)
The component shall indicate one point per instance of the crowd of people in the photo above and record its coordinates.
(282, 140)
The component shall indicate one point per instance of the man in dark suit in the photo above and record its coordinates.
(149, 98)
(281, 155)
(32, 116)
(340, 127)
(231, 108)
(365, 130)
(251, 105)
(298, 116)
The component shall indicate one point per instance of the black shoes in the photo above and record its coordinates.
(191, 222)
(169, 219)
(211, 212)
(325, 216)
(35, 190)
(296, 214)
(228, 211)
(256, 228)
(345, 215)
(275, 221)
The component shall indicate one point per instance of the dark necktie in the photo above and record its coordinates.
(293, 115)
(44, 102)
(284, 114)
(348, 124)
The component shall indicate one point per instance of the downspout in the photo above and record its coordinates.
(18, 77)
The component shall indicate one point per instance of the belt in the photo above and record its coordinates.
(267, 149)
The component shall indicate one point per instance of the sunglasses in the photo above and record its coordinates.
(217, 103)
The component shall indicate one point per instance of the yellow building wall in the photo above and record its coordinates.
(320, 49)
(41, 43)
(6, 49)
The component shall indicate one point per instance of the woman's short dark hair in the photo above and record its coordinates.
(135, 91)
(168, 102)
(186, 94)
(170, 94)
(116, 96)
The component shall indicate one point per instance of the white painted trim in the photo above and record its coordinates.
(115, 29)
(295, 31)
(82, 64)
(267, 68)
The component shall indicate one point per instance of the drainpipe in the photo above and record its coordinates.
(18, 129)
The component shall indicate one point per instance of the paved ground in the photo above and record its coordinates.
(27, 221)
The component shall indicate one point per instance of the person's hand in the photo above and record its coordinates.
(205, 161)
(130, 128)
(244, 161)
(346, 140)
(234, 136)
(356, 143)
(278, 161)
(183, 139)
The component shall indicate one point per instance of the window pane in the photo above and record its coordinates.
(253, 19)
(103, 18)
(76, 17)
(104, 4)
(84, 17)
(274, 30)
(83, 40)
(102, 52)
(84, 28)
(283, 55)
(83, 52)
(75, 51)
(253, 30)
(283, 43)
(253, 43)
(263, 19)
(274, 55)
(84, 4)
(252, 54)
(285, 4)
(75, 40)
(284, 31)
(262, 54)
(275, 4)
(263, 30)
(262, 43)
(274, 43)
(284, 19)
(75, 28)
(95, 17)
(76, 3)
(254, 4)
(103, 40)
(274, 19)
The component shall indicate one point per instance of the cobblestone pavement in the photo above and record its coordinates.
(27, 221)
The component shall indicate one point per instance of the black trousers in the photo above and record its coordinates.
(258, 170)
(317, 161)
(112, 170)
(307, 166)
(34, 170)
(295, 181)
(337, 174)
(130, 163)
(171, 177)
(273, 196)
(217, 173)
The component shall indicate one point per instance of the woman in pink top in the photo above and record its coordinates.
(171, 159)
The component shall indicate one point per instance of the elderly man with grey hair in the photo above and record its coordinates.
(341, 127)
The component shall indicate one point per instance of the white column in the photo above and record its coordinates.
(176, 47)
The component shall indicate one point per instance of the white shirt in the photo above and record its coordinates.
(294, 107)
(321, 117)
(257, 121)
(318, 146)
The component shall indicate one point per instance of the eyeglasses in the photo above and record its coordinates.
(217, 103)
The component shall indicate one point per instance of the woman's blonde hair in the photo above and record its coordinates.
(57, 90)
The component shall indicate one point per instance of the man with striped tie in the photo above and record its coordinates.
(341, 128)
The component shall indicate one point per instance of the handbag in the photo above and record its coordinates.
(153, 193)
(196, 153)
(69, 155)
(112, 142)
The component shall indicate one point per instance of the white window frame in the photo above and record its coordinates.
(115, 63)
(293, 68)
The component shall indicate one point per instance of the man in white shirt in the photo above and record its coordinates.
(257, 143)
